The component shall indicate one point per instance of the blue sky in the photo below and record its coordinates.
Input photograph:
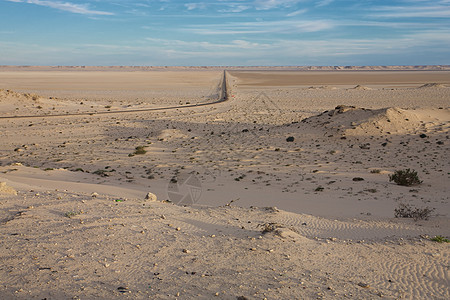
(239, 32)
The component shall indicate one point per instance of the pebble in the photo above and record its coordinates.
(123, 289)
(186, 251)
(434, 254)
(151, 197)
(364, 285)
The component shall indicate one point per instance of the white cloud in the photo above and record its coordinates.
(65, 6)
(283, 26)
(437, 11)
(235, 8)
(270, 4)
(324, 3)
(192, 6)
(297, 12)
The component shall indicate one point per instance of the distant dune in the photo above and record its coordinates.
(298, 68)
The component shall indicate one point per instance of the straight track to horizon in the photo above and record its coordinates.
(223, 96)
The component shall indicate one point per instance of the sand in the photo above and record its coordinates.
(306, 155)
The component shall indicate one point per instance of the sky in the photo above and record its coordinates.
(224, 33)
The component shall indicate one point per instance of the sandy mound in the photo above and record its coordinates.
(352, 120)
(58, 244)
(432, 85)
(4, 189)
(171, 134)
(361, 88)
(8, 95)
(323, 87)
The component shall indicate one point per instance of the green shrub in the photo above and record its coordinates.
(440, 239)
(405, 177)
(71, 214)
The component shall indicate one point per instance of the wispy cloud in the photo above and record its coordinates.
(66, 6)
(192, 6)
(235, 8)
(270, 4)
(324, 3)
(282, 27)
(297, 12)
(435, 11)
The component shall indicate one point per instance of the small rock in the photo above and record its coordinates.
(151, 197)
(423, 135)
(290, 139)
(94, 195)
(434, 254)
(123, 289)
(358, 179)
(364, 285)
(186, 251)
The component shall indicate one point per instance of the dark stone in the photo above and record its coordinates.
(290, 139)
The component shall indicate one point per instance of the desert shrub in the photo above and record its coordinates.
(408, 211)
(269, 227)
(100, 172)
(71, 214)
(140, 150)
(405, 177)
(440, 239)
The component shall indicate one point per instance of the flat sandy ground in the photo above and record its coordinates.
(305, 155)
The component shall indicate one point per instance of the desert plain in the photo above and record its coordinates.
(223, 183)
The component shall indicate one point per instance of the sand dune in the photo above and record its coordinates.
(289, 180)
(349, 120)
